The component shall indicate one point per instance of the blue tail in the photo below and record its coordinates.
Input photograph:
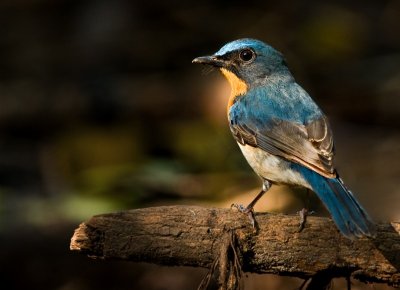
(349, 216)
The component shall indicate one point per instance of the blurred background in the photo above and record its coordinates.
(101, 110)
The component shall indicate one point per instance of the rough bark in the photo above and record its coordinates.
(224, 239)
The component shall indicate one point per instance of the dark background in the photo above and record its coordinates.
(101, 110)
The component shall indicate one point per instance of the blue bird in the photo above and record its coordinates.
(283, 134)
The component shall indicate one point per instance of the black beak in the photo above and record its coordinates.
(210, 60)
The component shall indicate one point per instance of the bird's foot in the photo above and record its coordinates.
(303, 218)
(246, 210)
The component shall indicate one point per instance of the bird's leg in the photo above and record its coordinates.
(303, 218)
(249, 208)
(305, 212)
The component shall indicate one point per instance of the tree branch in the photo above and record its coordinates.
(200, 237)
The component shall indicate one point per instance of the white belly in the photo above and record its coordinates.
(271, 167)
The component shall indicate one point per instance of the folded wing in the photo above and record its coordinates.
(310, 145)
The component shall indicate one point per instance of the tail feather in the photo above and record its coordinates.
(349, 216)
(357, 220)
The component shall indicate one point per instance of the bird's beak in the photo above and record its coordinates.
(210, 60)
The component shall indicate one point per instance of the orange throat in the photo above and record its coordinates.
(238, 86)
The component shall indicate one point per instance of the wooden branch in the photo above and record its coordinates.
(197, 236)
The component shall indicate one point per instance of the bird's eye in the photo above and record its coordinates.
(247, 55)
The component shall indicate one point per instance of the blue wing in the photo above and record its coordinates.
(292, 130)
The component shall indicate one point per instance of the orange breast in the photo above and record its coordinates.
(238, 86)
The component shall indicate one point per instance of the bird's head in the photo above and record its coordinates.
(247, 63)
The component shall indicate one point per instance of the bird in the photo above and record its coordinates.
(283, 134)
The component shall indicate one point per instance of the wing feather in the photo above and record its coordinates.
(310, 145)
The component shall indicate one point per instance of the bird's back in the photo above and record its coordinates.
(277, 99)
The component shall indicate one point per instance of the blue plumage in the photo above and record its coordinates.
(291, 103)
(349, 216)
(282, 132)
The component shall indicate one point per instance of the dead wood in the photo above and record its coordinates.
(223, 240)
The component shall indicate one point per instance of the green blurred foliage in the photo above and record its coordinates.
(336, 34)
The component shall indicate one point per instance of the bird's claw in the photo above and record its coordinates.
(246, 210)
(303, 218)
